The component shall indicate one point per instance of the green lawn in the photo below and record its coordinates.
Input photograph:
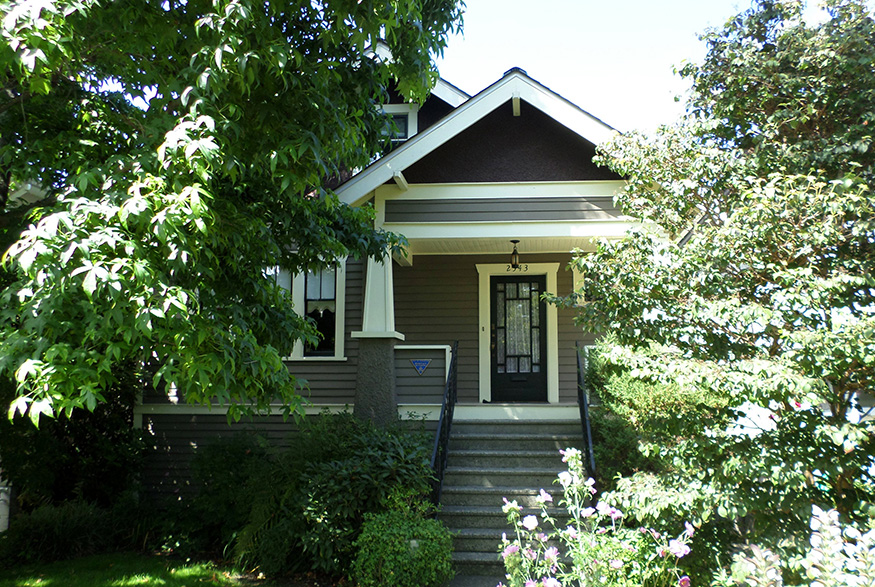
(122, 570)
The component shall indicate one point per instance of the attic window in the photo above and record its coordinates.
(404, 121)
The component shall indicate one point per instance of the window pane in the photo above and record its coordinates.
(328, 283)
(314, 285)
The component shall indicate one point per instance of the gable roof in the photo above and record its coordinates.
(515, 84)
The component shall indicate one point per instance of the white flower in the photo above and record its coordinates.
(530, 522)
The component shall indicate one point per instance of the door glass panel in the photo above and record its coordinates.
(511, 365)
(535, 313)
(525, 365)
(511, 290)
(536, 348)
(499, 308)
(499, 346)
(518, 323)
(524, 290)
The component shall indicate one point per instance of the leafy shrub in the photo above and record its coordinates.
(55, 532)
(839, 556)
(615, 447)
(226, 471)
(338, 470)
(402, 547)
(77, 528)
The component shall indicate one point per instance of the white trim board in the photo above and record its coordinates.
(499, 190)
(486, 271)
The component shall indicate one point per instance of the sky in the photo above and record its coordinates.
(613, 58)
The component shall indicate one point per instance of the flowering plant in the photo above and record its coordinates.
(590, 546)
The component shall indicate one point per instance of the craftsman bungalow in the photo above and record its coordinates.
(471, 182)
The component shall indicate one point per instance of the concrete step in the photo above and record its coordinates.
(491, 496)
(504, 459)
(460, 517)
(479, 564)
(516, 440)
(517, 426)
(542, 477)
(478, 539)
(477, 580)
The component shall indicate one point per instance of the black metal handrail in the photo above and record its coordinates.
(445, 423)
(583, 406)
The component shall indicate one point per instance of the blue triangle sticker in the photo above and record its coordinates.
(420, 365)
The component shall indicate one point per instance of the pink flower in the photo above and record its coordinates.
(661, 551)
(530, 522)
(541, 537)
(678, 548)
(616, 564)
(571, 532)
(551, 582)
(689, 530)
(684, 581)
(551, 554)
(509, 550)
(530, 554)
(545, 497)
(531, 583)
(587, 512)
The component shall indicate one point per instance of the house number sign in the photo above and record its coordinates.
(523, 268)
(420, 365)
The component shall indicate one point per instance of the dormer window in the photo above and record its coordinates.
(404, 121)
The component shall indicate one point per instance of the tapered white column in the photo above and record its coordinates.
(378, 320)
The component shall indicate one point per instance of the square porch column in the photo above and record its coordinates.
(375, 397)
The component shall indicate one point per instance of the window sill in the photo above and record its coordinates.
(314, 359)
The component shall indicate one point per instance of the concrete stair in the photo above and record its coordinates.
(490, 460)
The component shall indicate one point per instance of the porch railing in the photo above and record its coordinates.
(583, 406)
(445, 423)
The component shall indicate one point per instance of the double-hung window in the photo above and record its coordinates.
(320, 295)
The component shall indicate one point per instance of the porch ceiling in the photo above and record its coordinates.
(497, 246)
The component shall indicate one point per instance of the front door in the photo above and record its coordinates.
(519, 339)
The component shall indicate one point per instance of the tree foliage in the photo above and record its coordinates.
(185, 147)
(751, 277)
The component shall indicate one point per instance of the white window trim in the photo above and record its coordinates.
(486, 271)
(298, 291)
(411, 110)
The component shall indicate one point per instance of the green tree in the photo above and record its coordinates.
(186, 147)
(750, 282)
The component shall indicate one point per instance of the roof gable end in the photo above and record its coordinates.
(514, 84)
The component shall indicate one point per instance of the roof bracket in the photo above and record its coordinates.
(401, 181)
(515, 100)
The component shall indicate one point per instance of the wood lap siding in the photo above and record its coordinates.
(413, 388)
(176, 438)
(436, 302)
(502, 210)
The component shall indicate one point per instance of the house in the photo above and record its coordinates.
(471, 181)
